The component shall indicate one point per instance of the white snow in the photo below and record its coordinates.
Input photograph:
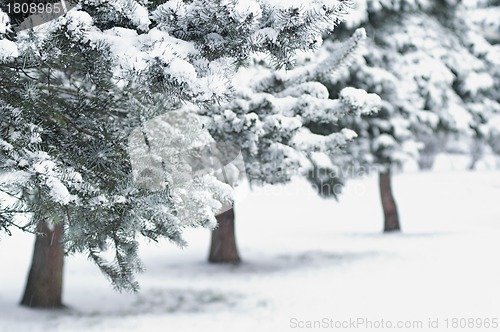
(305, 258)
(245, 8)
(78, 20)
(58, 191)
(462, 118)
(478, 81)
(349, 134)
(268, 33)
(182, 70)
(321, 160)
(304, 5)
(8, 49)
(384, 140)
(133, 10)
(140, 16)
(360, 99)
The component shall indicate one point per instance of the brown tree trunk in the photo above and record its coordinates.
(391, 217)
(223, 247)
(44, 284)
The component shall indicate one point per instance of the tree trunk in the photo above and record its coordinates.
(476, 153)
(391, 217)
(223, 247)
(44, 284)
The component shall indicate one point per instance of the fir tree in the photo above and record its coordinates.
(269, 120)
(434, 72)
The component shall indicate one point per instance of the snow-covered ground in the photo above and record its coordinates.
(305, 259)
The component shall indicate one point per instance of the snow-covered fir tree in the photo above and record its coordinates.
(269, 119)
(75, 90)
(434, 72)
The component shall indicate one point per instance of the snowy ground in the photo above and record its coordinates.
(306, 259)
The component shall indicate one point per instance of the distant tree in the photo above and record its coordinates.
(433, 70)
(431, 146)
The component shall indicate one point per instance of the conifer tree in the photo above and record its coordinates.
(434, 72)
(270, 118)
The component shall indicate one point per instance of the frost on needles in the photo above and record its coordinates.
(270, 115)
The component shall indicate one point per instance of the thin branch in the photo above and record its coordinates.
(8, 193)
(24, 228)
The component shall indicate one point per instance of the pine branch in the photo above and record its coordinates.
(321, 72)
